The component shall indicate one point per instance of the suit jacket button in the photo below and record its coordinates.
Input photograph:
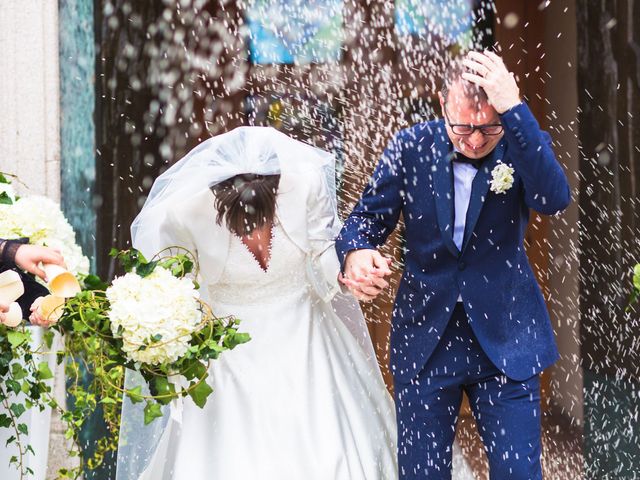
(461, 265)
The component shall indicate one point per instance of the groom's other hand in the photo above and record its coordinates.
(365, 272)
(490, 73)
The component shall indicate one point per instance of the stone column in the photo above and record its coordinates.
(29, 95)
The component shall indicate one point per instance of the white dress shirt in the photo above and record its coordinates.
(463, 175)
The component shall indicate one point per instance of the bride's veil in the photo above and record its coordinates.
(145, 452)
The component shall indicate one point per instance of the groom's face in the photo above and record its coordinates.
(458, 109)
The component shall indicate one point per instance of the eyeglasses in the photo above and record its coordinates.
(466, 129)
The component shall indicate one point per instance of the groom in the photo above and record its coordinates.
(468, 315)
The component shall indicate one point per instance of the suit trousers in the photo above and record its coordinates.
(507, 412)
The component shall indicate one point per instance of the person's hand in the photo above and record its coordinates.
(28, 257)
(492, 75)
(35, 318)
(364, 273)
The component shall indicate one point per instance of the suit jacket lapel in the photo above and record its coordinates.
(479, 191)
(443, 187)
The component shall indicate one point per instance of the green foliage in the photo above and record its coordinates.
(635, 293)
(151, 411)
(19, 374)
(95, 364)
(5, 199)
(200, 391)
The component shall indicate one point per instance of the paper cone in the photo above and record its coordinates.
(11, 287)
(62, 283)
(13, 317)
(51, 308)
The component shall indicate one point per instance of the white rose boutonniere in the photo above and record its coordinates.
(501, 178)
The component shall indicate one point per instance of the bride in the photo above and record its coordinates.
(304, 399)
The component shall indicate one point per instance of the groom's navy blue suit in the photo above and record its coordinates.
(506, 318)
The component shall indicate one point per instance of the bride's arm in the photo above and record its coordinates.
(173, 234)
(323, 227)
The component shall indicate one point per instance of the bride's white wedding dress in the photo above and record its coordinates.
(299, 401)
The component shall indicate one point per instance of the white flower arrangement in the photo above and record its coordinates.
(154, 315)
(501, 178)
(42, 221)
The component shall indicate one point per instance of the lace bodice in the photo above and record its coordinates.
(244, 282)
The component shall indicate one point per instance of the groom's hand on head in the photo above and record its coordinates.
(487, 70)
(365, 272)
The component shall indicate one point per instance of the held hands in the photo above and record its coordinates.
(492, 75)
(364, 273)
(28, 257)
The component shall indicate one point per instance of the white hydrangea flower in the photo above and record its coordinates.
(41, 219)
(501, 178)
(155, 315)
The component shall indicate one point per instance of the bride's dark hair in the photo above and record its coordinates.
(246, 202)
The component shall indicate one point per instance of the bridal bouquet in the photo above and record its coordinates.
(150, 320)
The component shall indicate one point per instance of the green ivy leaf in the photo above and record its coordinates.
(5, 420)
(94, 282)
(193, 369)
(13, 386)
(5, 199)
(145, 269)
(162, 388)
(232, 340)
(135, 394)
(22, 428)
(3, 179)
(18, 372)
(17, 338)
(48, 338)
(44, 372)
(200, 393)
(636, 277)
(80, 326)
(17, 409)
(152, 411)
